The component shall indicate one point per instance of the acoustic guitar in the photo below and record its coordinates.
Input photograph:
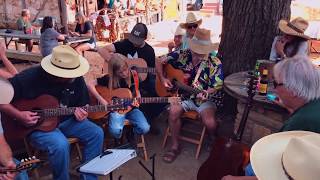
(47, 107)
(176, 77)
(26, 164)
(123, 96)
(229, 156)
(140, 65)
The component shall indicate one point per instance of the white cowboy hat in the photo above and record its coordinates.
(65, 62)
(179, 31)
(7, 91)
(190, 19)
(296, 27)
(201, 42)
(285, 155)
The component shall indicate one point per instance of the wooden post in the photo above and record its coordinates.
(64, 15)
(23, 3)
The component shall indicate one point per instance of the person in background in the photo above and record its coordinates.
(176, 45)
(24, 24)
(292, 42)
(191, 25)
(49, 37)
(9, 70)
(296, 82)
(102, 24)
(84, 28)
(120, 76)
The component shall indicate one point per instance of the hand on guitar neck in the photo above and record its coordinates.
(9, 175)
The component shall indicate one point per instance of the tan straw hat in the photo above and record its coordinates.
(295, 28)
(287, 155)
(201, 42)
(191, 19)
(65, 62)
(179, 31)
(7, 91)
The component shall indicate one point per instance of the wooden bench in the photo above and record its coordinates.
(27, 56)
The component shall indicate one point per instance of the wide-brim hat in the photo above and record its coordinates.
(7, 91)
(296, 27)
(282, 155)
(65, 62)
(190, 19)
(201, 42)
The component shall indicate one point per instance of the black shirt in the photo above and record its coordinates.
(125, 47)
(87, 27)
(34, 82)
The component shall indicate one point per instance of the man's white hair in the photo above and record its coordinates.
(299, 75)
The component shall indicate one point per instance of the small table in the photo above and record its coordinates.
(264, 118)
(5, 33)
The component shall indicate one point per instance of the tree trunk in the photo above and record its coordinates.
(248, 30)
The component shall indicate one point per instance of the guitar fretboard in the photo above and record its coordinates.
(146, 100)
(145, 70)
(71, 110)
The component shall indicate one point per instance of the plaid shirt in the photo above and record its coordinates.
(211, 75)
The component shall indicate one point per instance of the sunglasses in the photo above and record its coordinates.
(276, 84)
(189, 26)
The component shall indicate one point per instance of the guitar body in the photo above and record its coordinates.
(139, 63)
(105, 93)
(172, 74)
(14, 129)
(226, 157)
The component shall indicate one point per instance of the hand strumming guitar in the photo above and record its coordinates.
(28, 118)
(166, 83)
(135, 103)
(80, 114)
(205, 93)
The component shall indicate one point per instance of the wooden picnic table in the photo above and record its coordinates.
(9, 33)
(75, 39)
(265, 116)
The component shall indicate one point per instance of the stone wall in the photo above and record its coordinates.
(261, 122)
(10, 10)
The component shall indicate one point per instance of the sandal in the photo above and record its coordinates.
(170, 155)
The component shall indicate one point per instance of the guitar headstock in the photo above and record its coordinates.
(28, 163)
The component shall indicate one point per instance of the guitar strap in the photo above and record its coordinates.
(195, 80)
(136, 81)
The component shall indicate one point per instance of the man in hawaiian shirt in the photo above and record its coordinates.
(203, 72)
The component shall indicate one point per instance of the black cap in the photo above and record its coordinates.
(138, 34)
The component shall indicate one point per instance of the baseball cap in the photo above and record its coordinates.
(138, 34)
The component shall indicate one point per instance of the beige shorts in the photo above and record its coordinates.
(189, 105)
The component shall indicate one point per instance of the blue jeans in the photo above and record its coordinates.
(136, 118)
(22, 175)
(56, 144)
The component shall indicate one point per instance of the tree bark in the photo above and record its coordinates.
(248, 30)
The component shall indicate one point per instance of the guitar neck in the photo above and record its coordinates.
(145, 70)
(6, 170)
(146, 100)
(71, 110)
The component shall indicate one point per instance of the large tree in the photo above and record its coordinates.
(248, 30)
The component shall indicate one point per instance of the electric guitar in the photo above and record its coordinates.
(47, 107)
(26, 164)
(229, 156)
(123, 97)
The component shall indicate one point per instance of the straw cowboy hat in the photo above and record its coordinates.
(296, 27)
(191, 19)
(7, 91)
(287, 155)
(65, 62)
(179, 31)
(201, 42)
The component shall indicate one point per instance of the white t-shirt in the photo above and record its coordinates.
(1, 130)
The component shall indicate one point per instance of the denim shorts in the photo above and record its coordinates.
(189, 105)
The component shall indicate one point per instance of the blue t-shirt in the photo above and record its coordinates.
(48, 40)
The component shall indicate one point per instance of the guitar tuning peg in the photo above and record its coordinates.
(30, 158)
(22, 160)
(33, 157)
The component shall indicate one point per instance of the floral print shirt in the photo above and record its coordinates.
(211, 75)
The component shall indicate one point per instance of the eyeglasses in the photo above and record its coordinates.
(276, 84)
(189, 26)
